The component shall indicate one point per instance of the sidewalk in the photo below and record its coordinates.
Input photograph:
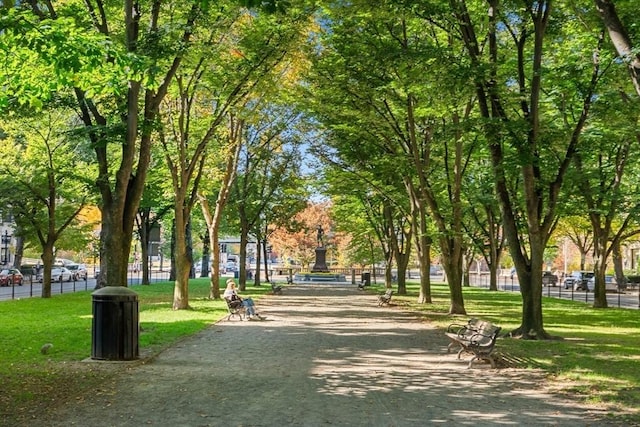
(326, 355)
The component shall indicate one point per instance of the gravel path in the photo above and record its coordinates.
(326, 355)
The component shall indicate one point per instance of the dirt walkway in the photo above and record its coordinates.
(326, 355)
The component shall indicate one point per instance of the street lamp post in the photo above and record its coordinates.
(6, 238)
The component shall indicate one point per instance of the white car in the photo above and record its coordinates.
(231, 266)
(611, 285)
(79, 271)
(61, 274)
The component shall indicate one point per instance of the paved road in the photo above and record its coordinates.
(34, 289)
(326, 355)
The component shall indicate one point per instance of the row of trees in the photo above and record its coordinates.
(461, 125)
(468, 124)
(149, 106)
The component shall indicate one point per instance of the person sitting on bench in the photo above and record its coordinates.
(231, 294)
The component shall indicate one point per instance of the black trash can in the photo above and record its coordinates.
(236, 274)
(366, 279)
(115, 329)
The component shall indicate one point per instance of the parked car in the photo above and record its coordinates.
(435, 270)
(548, 278)
(578, 280)
(32, 271)
(231, 266)
(611, 285)
(60, 274)
(79, 271)
(10, 277)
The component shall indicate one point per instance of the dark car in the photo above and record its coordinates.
(578, 280)
(33, 272)
(548, 278)
(10, 276)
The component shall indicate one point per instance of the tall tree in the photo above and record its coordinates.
(120, 64)
(226, 172)
(43, 180)
(269, 189)
(388, 100)
(544, 153)
(608, 189)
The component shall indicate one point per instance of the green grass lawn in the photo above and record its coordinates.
(31, 380)
(595, 359)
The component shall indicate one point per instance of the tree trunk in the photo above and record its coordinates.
(530, 279)
(266, 261)
(452, 264)
(618, 267)
(258, 277)
(599, 269)
(620, 39)
(402, 262)
(172, 252)
(17, 256)
(117, 244)
(214, 283)
(466, 280)
(242, 262)
(181, 258)
(244, 239)
(206, 254)
(47, 263)
(143, 234)
(423, 247)
(388, 275)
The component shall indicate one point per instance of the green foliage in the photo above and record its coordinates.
(46, 56)
(45, 179)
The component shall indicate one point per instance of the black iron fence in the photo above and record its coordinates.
(32, 285)
(629, 298)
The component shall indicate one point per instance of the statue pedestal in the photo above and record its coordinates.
(320, 265)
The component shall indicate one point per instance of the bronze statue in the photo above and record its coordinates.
(320, 236)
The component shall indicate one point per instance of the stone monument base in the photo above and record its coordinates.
(319, 277)
(321, 264)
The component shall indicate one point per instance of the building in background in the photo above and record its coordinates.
(7, 238)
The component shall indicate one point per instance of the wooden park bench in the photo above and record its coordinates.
(385, 298)
(276, 289)
(235, 308)
(477, 337)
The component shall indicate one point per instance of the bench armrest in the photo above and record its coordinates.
(458, 328)
(480, 338)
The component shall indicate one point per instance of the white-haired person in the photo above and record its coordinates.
(231, 294)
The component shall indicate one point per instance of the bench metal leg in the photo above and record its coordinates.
(483, 357)
(235, 313)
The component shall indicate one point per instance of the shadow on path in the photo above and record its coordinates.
(326, 355)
